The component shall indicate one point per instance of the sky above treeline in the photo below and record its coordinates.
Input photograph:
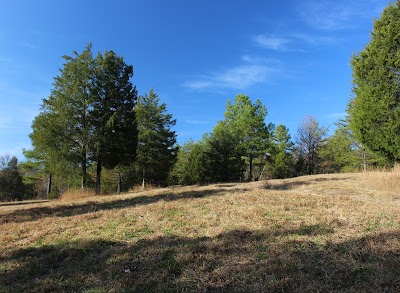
(292, 55)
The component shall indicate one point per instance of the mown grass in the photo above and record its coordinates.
(326, 233)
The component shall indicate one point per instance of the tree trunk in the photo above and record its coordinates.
(251, 169)
(49, 181)
(143, 182)
(84, 171)
(98, 177)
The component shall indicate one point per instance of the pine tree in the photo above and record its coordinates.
(190, 167)
(247, 121)
(282, 156)
(157, 150)
(11, 183)
(223, 155)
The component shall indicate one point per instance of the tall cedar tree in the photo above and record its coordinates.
(157, 150)
(89, 115)
(61, 130)
(112, 114)
(309, 139)
(247, 121)
(375, 109)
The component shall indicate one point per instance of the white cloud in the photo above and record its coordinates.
(292, 42)
(238, 77)
(197, 122)
(329, 15)
(272, 43)
(313, 39)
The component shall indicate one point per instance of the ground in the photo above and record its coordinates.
(338, 233)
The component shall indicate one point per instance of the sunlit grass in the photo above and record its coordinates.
(313, 233)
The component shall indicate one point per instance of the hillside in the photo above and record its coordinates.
(314, 233)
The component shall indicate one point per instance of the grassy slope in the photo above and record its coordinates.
(315, 233)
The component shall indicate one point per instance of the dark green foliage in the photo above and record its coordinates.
(190, 167)
(157, 150)
(11, 184)
(61, 130)
(223, 155)
(220, 156)
(247, 122)
(342, 153)
(375, 109)
(88, 117)
(282, 156)
(112, 116)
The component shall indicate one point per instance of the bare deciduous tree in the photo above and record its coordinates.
(309, 137)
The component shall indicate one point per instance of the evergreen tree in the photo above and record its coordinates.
(89, 116)
(157, 150)
(112, 115)
(247, 121)
(342, 152)
(190, 167)
(61, 130)
(223, 155)
(375, 109)
(11, 184)
(282, 156)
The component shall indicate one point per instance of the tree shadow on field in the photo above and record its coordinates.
(289, 184)
(21, 203)
(35, 213)
(235, 261)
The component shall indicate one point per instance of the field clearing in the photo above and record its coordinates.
(320, 233)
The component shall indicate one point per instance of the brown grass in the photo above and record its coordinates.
(76, 194)
(308, 234)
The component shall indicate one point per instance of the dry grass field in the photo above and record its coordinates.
(324, 233)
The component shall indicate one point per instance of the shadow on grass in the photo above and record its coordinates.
(20, 203)
(36, 213)
(288, 185)
(236, 261)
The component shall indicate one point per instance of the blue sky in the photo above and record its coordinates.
(292, 55)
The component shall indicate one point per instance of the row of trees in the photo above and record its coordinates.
(95, 123)
(240, 147)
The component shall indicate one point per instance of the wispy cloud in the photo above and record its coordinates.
(330, 16)
(293, 42)
(253, 71)
(272, 43)
(197, 122)
(314, 39)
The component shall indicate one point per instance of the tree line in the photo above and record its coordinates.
(95, 131)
